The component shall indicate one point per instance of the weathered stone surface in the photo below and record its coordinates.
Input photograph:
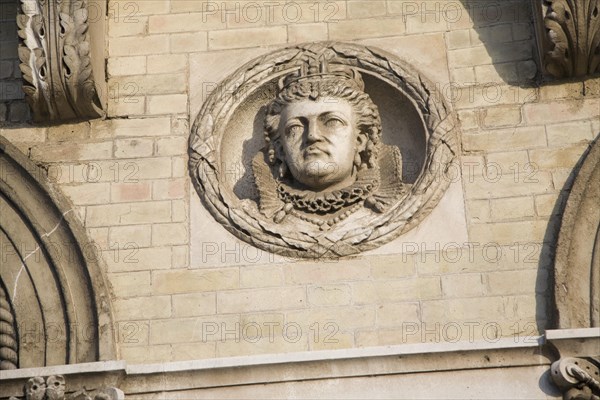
(357, 173)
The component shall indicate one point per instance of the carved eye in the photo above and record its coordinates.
(295, 129)
(334, 123)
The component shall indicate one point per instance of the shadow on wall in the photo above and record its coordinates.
(13, 107)
(506, 31)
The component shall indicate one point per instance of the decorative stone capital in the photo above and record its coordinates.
(568, 33)
(56, 63)
(54, 386)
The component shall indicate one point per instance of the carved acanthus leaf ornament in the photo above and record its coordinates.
(54, 51)
(573, 28)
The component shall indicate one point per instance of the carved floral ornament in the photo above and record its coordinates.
(325, 174)
(572, 43)
(577, 378)
(54, 388)
(55, 56)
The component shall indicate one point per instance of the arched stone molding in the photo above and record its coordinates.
(577, 264)
(57, 58)
(55, 290)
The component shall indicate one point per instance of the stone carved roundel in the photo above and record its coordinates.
(322, 150)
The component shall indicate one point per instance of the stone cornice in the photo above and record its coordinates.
(534, 353)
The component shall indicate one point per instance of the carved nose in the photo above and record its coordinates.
(312, 132)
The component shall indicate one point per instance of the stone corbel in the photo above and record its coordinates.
(56, 59)
(568, 36)
(53, 388)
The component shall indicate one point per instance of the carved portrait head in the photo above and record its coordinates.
(322, 128)
(323, 174)
(323, 136)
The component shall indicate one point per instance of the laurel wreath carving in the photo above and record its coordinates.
(573, 28)
(54, 52)
(245, 223)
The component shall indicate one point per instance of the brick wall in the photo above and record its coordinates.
(128, 177)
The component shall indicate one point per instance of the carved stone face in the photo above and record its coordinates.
(320, 142)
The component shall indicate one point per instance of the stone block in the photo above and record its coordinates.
(140, 235)
(458, 39)
(166, 104)
(307, 33)
(148, 84)
(381, 292)
(514, 208)
(90, 193)
(397, 314)
(198, 329)
(168, 189)
(514, 282)
(133, 148)
(569, 133)
(126, 106)
(138, 45)
(465, 76)
(334, 271)
(120, 66)
(166, 63)
(180, 256)
(128, 213)
(463, 285)
(250, 37)
(132, 258)
(171, 146)
(261, 276)
(130, 284)
(194, 304)
(68, 132)
(169, 234)
(548, 204)
(188, 281)
(146, 354)
(506, 233)
(154, 307)
(343, 319)
(478, 211)
(264, 345)
(189, 42)
(565, 157)
(127, 26)
(191, 22)
(519, 138)
(261, 300)
(560, 111)
(366, 28)
(329, 295)
(129, 192)
(498, 117)
(197, 350)
(365, 9)
(72, 151)
(159, 126)
(452, 310)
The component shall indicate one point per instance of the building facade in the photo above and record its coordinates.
(139, 252)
